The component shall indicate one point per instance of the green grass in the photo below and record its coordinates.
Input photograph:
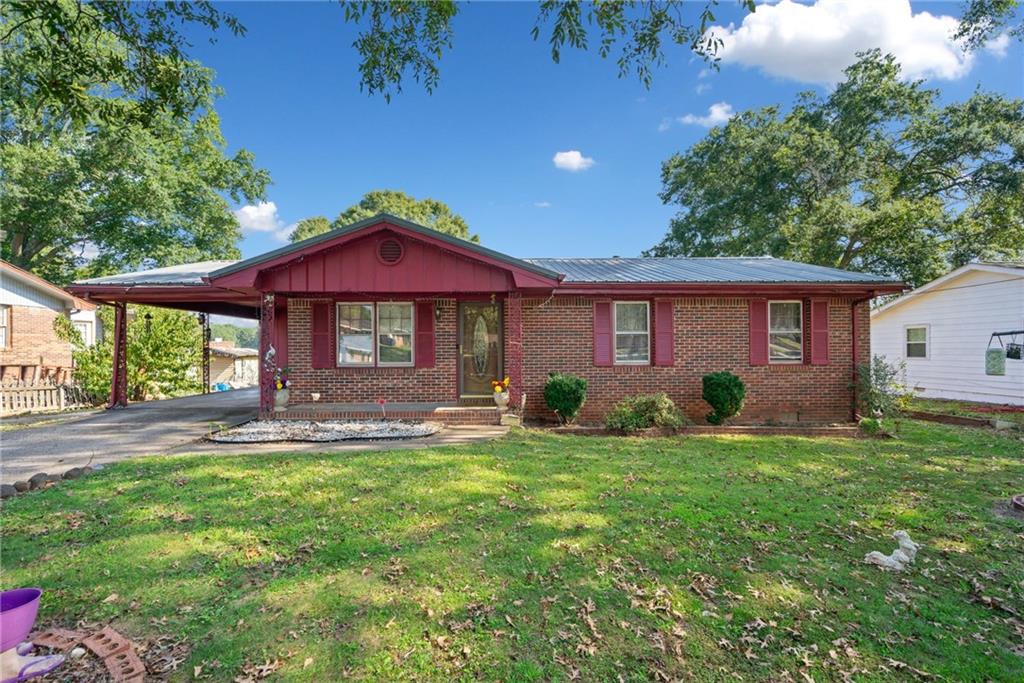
(543, 557)
(964, 409)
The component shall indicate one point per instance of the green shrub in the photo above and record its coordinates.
(870, 425)
(724, 392)
(565, 394)
(643, 412)
(880, 388)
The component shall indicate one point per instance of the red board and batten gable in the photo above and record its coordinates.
(351, 262)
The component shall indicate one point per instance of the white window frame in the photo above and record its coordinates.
(616, 333)
(86, 334)
(373, 334)
(412, 335)
(927, 341)
(5, 322)
(786, 361)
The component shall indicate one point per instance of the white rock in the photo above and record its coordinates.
(259, 431)
(77, 653)
(899, 558)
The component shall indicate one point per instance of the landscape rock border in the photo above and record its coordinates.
(43, 480)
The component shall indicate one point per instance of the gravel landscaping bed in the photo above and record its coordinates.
(265, 431)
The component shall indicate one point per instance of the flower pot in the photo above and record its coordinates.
(281, 399)
(501, 400)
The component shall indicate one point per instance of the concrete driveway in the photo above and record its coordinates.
(150, 428)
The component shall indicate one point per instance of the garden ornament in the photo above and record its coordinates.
(900, 558)
(18, 609)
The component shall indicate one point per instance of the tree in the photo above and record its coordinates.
(428, 212)
(242, 337)
(310, 227)
(875, 176)
(164, 355)
(404, 36)
(124, 175)
(983, 20)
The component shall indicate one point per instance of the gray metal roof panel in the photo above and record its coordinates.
(763, 269)
(184, 275)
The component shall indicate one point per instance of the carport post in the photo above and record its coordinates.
(268, 362)
(119, 376)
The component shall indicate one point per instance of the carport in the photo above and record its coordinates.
(185, 287)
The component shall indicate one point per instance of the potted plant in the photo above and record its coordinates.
(281, 389)
(500, 387)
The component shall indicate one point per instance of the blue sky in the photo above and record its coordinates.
(485, 141)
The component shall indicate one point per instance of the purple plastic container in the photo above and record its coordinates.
(18, 609)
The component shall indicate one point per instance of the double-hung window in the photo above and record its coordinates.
(917, 341)
(5, 326)
(632, 325)
(785, 331)
(375, 334)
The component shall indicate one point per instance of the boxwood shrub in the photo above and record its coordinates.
(724, 392)
(643, 412)
(565, 394)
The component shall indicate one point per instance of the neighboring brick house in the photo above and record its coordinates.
(29, 347)
(387, 309)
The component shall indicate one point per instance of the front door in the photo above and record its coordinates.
(480, 347)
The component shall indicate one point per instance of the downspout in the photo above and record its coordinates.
(854, 375)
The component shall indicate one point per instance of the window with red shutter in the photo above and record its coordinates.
(664, 343)
(758, 332)
(819, 332)
(425, 334)
(320, 336)
(602, 333)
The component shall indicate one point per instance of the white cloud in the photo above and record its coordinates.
(572, 160)
(704, 73)
(702, 88)
(814, 43)
(665, 124)
(718, 113)
(542, 205)
(262, 217)
(999, 45)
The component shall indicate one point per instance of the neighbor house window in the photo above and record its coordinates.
(355, 334)
(917, 341)
(785, 331)
(632, 333)
(5, 326)
(84, 330)
(375, 334)
(394, 334)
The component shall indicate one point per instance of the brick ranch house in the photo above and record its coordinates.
(30, 349)
(387, 309)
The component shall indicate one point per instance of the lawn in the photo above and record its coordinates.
(543, 557)
(968, 409)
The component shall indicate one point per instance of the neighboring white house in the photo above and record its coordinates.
(942, 329)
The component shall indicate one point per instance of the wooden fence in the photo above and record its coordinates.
(21, 397)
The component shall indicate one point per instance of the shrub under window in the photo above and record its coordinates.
(643, 412)
(724, 392)
(565, 394)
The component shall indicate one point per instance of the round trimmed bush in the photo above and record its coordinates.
(724, 392)
(565, 394)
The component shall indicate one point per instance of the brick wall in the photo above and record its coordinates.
(364, 385)
(33, 344)
(709, 335)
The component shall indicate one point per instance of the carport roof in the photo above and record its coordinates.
(185, 275)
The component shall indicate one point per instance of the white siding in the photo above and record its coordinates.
(17, 293)
(961, 314)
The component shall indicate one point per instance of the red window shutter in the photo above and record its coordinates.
(602, 333)
(320, 336)
(424, 334)
(758, 332)
(664, 345)
(819, 332)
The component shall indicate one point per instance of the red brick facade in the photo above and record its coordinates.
(33, 350)
(710, 334)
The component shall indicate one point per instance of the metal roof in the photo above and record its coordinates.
(172, 276)
(671, 269)
(655, 270)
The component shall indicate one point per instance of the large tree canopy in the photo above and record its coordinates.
(427, 212)
(875, 176)
(122, 175)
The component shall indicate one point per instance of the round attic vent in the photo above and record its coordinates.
(390, 251)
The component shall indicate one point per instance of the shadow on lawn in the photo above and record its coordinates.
(536, 555)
